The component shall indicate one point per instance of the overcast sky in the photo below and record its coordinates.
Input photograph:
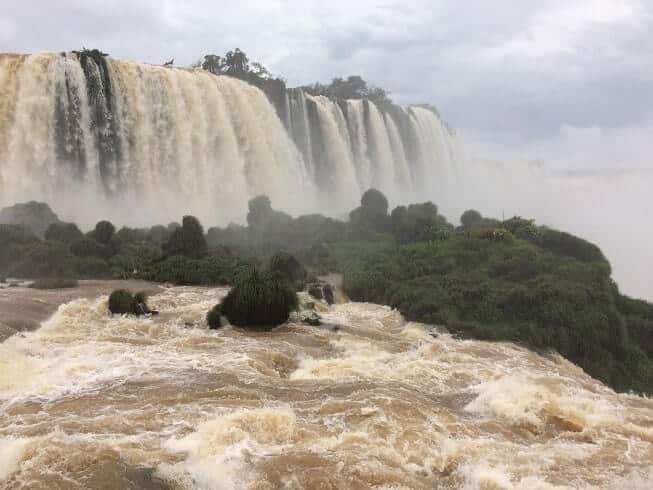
(568, 82)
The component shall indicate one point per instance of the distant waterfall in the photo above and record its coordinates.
(141, 143)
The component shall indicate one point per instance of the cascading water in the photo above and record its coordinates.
(141, 143)
(94, 401)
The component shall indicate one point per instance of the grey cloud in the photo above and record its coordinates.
(505, 67)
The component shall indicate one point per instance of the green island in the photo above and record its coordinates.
(509, 280)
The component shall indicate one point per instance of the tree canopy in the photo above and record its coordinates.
(352, 87)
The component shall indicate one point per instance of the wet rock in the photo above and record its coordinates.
(329, 295)
(322, 291)
(315, 290)
(314, 320)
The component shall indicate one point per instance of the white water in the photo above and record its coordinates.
(90, 401)
(140, 144)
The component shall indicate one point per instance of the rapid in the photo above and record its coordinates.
(367, 400)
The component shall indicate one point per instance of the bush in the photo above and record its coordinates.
(122, 302)
(213, 317)
(63, 232)
(209, 271)
(88, 247)
(54, 283)
(45, 259)
(288, 268)
(259, 299)
(567, 245)
(141, 297)
(188, 240)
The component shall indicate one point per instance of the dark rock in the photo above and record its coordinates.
(329, 295)
(315, 290)
(322, 291)
(313, 320)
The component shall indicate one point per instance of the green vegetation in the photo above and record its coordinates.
(353, 87)
(214, 317)
(187, 240)
(508, 280)
(259, 299)
(209, 271)
(547, 290)
(288, 268)
(123, 302)
(54, 283)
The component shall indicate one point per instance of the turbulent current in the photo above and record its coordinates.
(81, 128)
(367, 400)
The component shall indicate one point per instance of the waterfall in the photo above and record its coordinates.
(141, 143)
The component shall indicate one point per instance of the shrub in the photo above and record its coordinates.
(63, 232)
(288, 267)
(88, 247)
(140, 297)
(91, 267)
(45, 259)
(213, 317)
(122, 302)
(209, 271)
(259, 299)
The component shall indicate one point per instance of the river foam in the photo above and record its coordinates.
(92, 400)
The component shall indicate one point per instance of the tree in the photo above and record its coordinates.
(260, 208)
(63, 232)
(418, 222)
(213, 64)
(236, 63)
(260, 71)
(372, 213)
(288, 268)
(353, 87)
(375, 201)
(188, 240)
(261, 218)
(470, 218)
(104, 232)
(87, 247)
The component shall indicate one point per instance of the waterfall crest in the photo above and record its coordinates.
(146, 143)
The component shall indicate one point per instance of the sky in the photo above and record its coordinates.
(561, 81)
(564, 83)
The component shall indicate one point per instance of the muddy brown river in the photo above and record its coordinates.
(367, 400)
